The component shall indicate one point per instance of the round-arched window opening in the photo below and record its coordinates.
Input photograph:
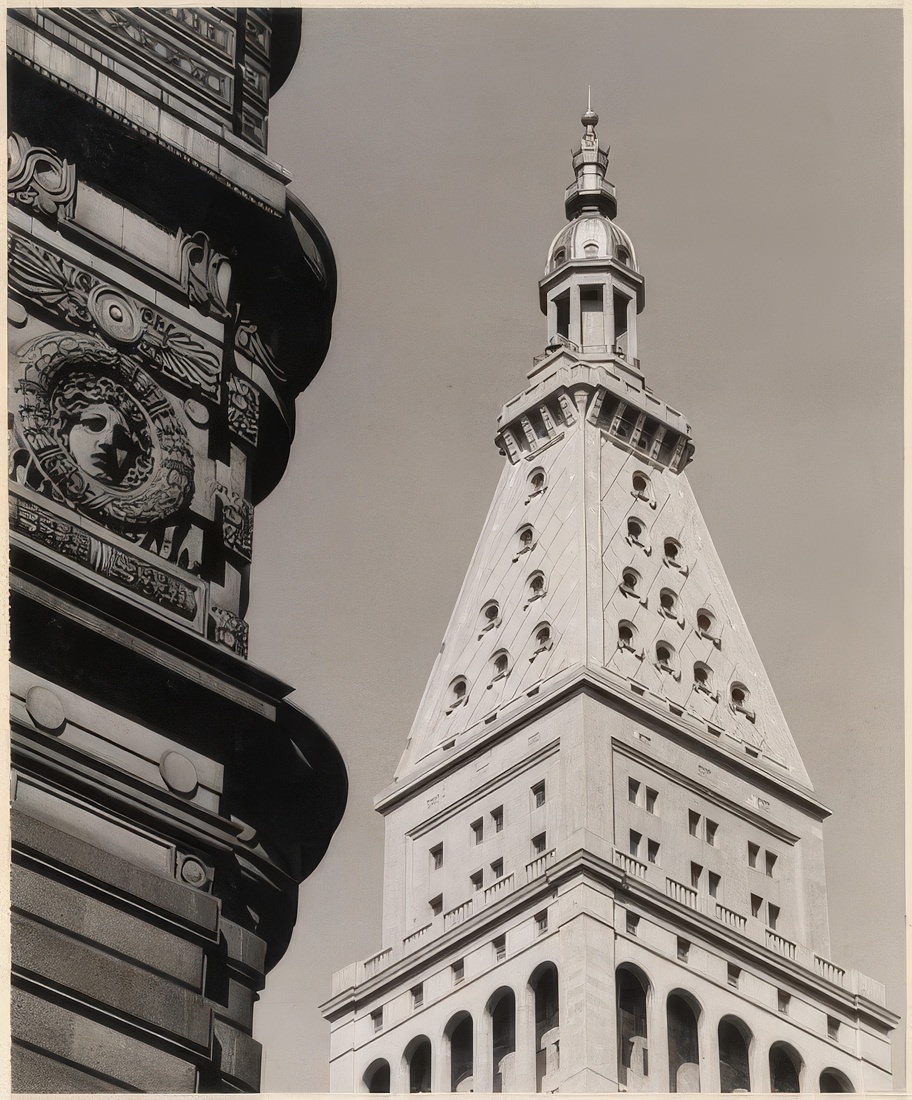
(739, 695)
(459, 687)
(664, 653)
(623, 256)
(668, 599)
(526, 538)
(702, 674)
(491, 611)
(543, 637)
(672, 549)
(640, 483)
(537, 480)
(831, 1080)
(635, 528)
(560, 256)
(626, 634)
(630, 579)
(705, 620)
(501, 663)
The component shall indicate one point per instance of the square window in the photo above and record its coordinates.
(635, 839)
(539, 843)
(756, 905)
(436, 857)
(734, 975)
(538, 795)
(500, 948)
(436, 905)
(477, 831)
(497, 868)
(696, 872)
(497, 819)
(771, 858)
(782, 1001)
(633, 921)
(633, 791)
(477, 881)
(652, 797)
(458, 970)
(773, 911)
(541, 922)
(714, 881)
(683, 949)
(693, 822)
(832, 1027)
(418, 996)
(711, 828)
(377, 1019)
(753, 851)
(652, 851)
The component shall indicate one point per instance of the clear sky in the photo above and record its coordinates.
(757, 157)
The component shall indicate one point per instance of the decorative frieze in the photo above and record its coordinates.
(39, 180)
(229, 630)
(243, 408)
(237, 522)
(119, 566)
(83, 300)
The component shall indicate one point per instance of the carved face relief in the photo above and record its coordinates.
(101, 432)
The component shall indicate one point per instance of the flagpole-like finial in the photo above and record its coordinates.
(589, 99)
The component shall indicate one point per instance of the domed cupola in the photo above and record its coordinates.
(592, 289)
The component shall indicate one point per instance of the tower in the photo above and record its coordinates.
(169, 299)
(603, 855)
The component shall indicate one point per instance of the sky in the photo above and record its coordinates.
(757, 159)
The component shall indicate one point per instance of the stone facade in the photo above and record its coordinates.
(169, 298)
(604, 857)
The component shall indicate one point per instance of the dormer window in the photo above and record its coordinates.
(490, 615)
(630, 578)
(626, 635)
(668, 603)
(703, 678)
(706, 625)
(636, 530)
(536, 586)
(560, 257)
(526, 538)
(459, 690)
(537, 481)
(623, 256)
(500, 665)
(543, 640)
(642, 488)
(665, 657)
(739, 701)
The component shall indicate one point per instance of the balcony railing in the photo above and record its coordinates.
(538, 866)
(417, 934)
(630, 864)
(686, 895)
(828, 970)
(457, 915)
(780, 944)
(376, 962)
(730, 917)
(498, 886)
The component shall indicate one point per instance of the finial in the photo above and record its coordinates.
(590, 118)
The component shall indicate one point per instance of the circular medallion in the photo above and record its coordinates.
(45, 709)
(115, 314)
(193, 872)
(103, 432)
(178, 772)
(196, 411)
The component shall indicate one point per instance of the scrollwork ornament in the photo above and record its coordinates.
(229, 630)
(243, 408)
(39, 179)
(102, 432)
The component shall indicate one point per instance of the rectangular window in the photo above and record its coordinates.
(696, 872)
(477, 881)
(734, 975)
(652, 851)
(418, 995)
(538, 795)
(497, 819)
(377, 1019)
(633, 921)
(756, 905)
(458, 969)
(562, 308)
(436, 857)
(832, 1027)
(633, 791)
(500, 948)
(773, 915)
(782, 1001)
(497, 868)
(753, 851)
(541, 922)
(713, 882)
(652, 797)
(635, 839)
(436, 905)
(711, 828)
(693, 822)
(539, 843)
(770, 863)
(477, 831)
(683, 949)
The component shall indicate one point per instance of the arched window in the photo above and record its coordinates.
(633, 1060)
(683, 1045)
(832, 1080)
(626, 634)
(502, 1008)
(671, 548)
(537, 481)
(458, 692)
(536, 585)
(500, 665)
(547, 1025)
(642, 487)
(623, 256)
(739, 700)
(462, 1060)
(377, 1076)
(668, 602)
(706, 622)
(785, 1064)
(630, 578)
(543, 639)
(526, 538)
(490, 615)
(734, 1066)
(702, 676)
(665, 656)
(418, 1062)
(636, 529)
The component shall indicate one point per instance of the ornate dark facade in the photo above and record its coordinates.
(169, 299)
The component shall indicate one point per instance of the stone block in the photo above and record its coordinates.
(111, 983)
(240, 1056)
(65, 1034)
(36, 1072)
(70, 910)
(245, 948)
(196, 910)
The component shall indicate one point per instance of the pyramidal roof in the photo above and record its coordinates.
(594, 562)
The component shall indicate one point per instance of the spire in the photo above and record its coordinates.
(590, 191)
